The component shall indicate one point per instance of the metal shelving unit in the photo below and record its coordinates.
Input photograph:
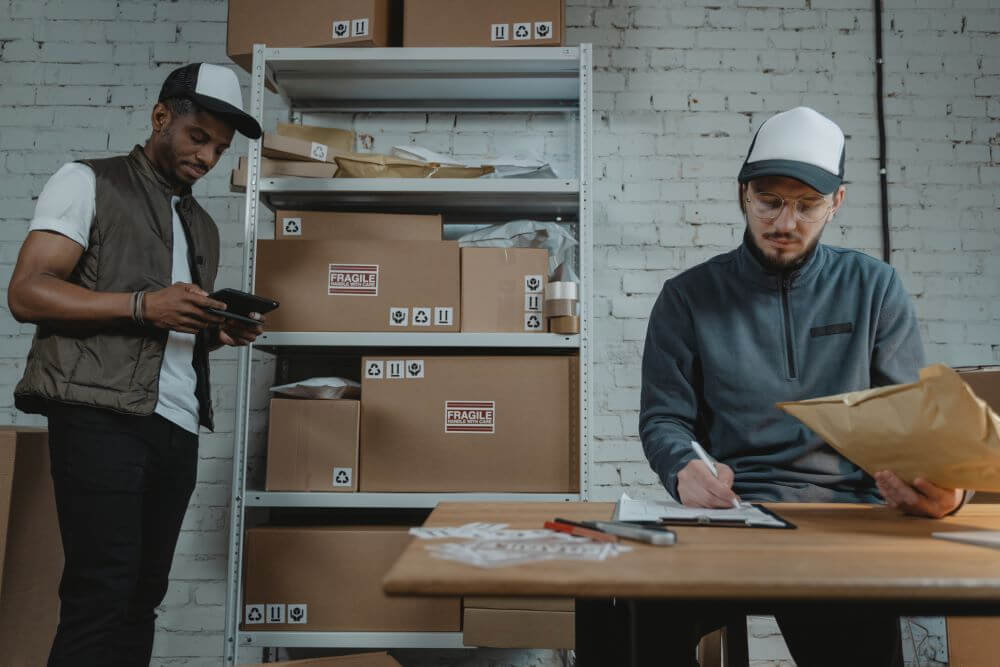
(478, 80)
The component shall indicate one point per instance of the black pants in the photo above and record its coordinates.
(654, 634)
(122, 486)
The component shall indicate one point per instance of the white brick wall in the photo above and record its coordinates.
(680, 87)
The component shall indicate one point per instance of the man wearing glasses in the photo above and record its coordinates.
(781, 318)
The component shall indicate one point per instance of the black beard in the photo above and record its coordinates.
(774, 265)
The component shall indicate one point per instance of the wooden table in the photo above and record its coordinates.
(839, 555)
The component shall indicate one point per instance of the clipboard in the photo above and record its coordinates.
(669, 512)
(784, 524)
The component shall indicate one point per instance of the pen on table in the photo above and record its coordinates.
(572, 528)
(655, 536)
(703, 455)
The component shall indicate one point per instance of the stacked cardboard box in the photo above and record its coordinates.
(329, 579)
(303, 151)
(305, 23)
(492, 423)
(503, 289)
(312, 445)
(31, 555)
(519, 622)
(484, 23)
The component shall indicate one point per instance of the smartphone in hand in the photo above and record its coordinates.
(241, 304)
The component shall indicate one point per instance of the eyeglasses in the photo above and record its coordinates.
(768, 206)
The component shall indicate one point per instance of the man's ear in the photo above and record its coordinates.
(160, 117)
(838, 198)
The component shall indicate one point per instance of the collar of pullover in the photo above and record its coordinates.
(751, 267)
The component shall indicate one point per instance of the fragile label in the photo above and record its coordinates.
(470, 416)
(399, 317)
(275, 613)
(298, 614)
(341, 29)
(422, 317)
(291, 226)
(353, 280)
(343, 476)
(499, 32)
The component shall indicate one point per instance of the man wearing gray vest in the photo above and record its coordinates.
(116, 271)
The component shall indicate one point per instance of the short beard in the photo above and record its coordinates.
(785, 264)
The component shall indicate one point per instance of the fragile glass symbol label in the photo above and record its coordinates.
(341, 29)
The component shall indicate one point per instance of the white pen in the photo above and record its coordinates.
(703, 455)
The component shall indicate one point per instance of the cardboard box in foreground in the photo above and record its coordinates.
(505, 424)
(329, 578)
(31, 555)
(484, 23)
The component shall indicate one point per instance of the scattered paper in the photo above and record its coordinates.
(504, 167)
(936, 428)
(632, 509)
(477, 530)
(982, 538)
(492, 553)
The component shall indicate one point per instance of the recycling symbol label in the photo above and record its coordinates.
(395, 370)
(532, 322)
(291, 226)
(341, 29)
(343, 476)
(399, 317)
(298, 614)
(543, 30)
(415, 369)
(422, 317)
(255, 613)
(522, 31)
(318, 151)
(533, 284)
(275, 613)
(375, 370)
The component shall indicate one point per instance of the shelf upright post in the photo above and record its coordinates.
(237, 509)
(585, 230)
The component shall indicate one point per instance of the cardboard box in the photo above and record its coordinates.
(377, 659)
(329, 578)
(292, 148)
(31, 555)
(503, 289)
(505, 424)
(484, 23)
(361, 285)
(332, 137)
(973, 641)
(523, 604)
(330, 226)
(519, 628)
(309, 23)
(312, 445)
(270, 168)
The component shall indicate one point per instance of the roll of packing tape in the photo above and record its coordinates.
(565, 325)
(562, 290)
(560, 307)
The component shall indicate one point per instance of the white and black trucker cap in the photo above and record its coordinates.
(799, 143)
(214, 88)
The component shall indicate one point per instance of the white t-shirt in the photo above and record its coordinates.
(67, 205)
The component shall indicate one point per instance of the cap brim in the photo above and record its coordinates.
(815, 177)
(244, 123)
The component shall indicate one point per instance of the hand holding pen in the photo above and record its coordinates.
(706, 483)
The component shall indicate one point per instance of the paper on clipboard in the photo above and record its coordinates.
(935, 428)
(632, 509)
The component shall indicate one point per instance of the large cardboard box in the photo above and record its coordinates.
(361, 285)
(377, 659)
(312, 445)
(309, 23)
(469, 424)
(329, 578)
(518, 628)
(31, 555)
(484, 23)
(503, 289)
(331, 226)
(270, 168)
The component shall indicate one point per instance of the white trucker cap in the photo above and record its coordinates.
(800, 143)
(216, 89)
